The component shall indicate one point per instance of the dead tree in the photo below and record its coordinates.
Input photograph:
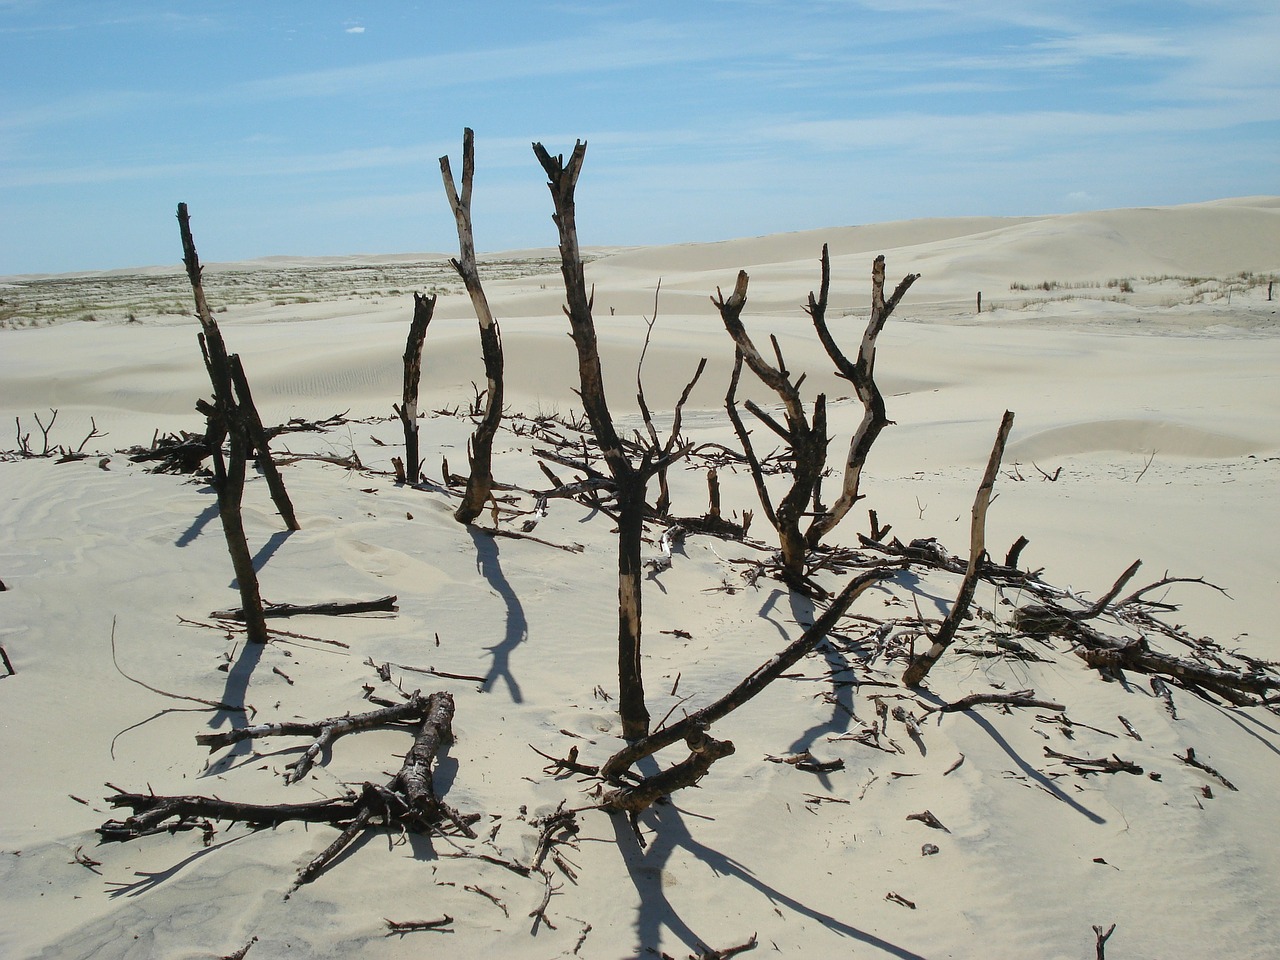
(630, 478)
(480, 448)
(226, 419)
(920, 666)
(407, 410)
(806, 437)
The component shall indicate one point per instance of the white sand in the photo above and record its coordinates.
(1160, 409)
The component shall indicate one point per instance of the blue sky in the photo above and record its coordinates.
(315, 128)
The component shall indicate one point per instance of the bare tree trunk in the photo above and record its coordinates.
(922, 664)
(229, 478)
(480, 450)
(562, 181)
(423, 308)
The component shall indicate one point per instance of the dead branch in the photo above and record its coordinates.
(919, 668)
(704, 750)
(325, 732)
(1088, 765)
(630, 478)
(328, 608)
(407, 801)
(1191, 761)
(1019, 698)
(412, 926)
(224, 420)
(861, 374)
(755, 682)
(1102, 937)
(708, 953)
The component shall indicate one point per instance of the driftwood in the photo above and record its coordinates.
(407, 801)
(330, 608)
(920, 666)
(480, 447)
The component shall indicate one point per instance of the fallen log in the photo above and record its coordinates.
(329, 608)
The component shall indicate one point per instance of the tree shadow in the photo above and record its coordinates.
(657, 912)
(234, 692)
(489, 564)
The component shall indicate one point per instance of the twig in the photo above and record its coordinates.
(1191, 761)
(215, 704)
(410, 926)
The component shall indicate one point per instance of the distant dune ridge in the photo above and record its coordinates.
(1141, 354)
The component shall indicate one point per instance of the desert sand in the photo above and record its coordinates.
(1141, 354)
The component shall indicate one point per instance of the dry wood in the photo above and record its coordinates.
(328, 608)
(480, 448)
(229, 476)
(759, 678)
(630, 479)
(408, 800)
(704, 750)
(919, 668)
(860, 373)
(248, 411)
(1019, 698)
(325, 732)
(1191, 761)
(1102, 937)
(411, 926)
(1088, 765)
(407, 410)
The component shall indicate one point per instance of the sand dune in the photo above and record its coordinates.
(1153, 411)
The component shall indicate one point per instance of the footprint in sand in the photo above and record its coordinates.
(401, 571)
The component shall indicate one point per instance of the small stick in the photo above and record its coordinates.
(409, 926)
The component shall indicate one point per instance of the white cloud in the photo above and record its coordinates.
(355, 29)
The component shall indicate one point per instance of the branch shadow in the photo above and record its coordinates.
(1041, 780)
(198, 524)
(656, 911)
(489, 564)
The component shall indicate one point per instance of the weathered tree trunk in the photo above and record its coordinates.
(423, 308)
(480, 450)
(228, 479)
(562, 181)
(922, 664)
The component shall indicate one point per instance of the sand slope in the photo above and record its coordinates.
(1160, 418)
